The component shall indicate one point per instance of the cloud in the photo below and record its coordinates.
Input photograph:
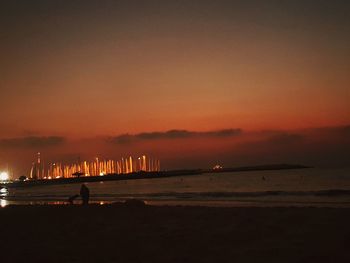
(32, 142)
(339, 131)
(174, 134)
(344, 130)
(270, 144)
(285, 139)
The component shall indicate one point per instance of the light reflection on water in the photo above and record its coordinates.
(3, 192)
(3, 203)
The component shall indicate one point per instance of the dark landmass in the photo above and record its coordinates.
(138, 233)
(148, 175)
(258, 168)
(107, 177)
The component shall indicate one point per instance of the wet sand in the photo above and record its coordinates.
(126, 233)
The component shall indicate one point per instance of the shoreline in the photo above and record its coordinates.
(184, 203)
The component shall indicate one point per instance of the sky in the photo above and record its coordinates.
(237, 82)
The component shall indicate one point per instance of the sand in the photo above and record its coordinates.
(121, 233)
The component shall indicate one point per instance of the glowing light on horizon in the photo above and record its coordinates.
(96, 167)
(4, 176)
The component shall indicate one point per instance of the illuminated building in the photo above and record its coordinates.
(37, 171)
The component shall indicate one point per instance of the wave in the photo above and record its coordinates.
(189, 195)
(330, 192)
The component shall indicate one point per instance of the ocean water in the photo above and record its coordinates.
(299, 187)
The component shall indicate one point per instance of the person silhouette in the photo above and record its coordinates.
(85, 194)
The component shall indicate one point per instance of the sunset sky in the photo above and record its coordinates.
(76, 76)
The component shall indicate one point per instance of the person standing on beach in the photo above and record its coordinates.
(85, 194)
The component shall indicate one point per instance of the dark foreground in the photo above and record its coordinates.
(120, 233)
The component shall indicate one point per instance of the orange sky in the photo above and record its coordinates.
(91, 68)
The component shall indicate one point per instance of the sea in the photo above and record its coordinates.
(310, 187)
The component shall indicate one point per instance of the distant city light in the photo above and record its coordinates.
(97, 167)
(217, 167)
(4, 176)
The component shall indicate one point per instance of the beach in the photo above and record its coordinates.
(137, 233)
